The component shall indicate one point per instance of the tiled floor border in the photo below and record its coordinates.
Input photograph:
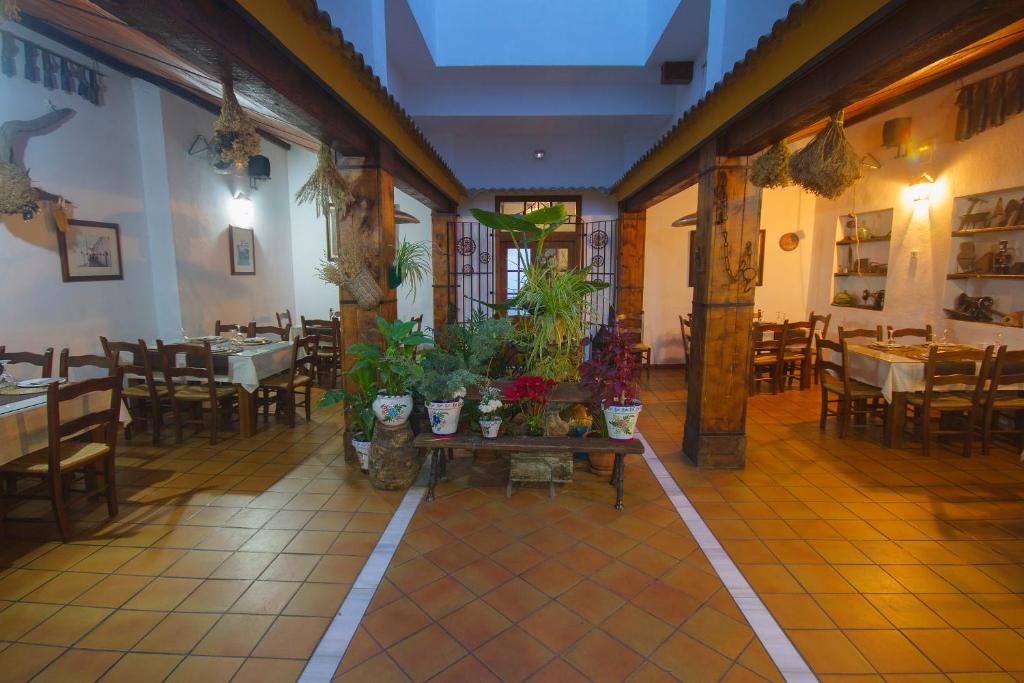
(328, 654)
(786, 657)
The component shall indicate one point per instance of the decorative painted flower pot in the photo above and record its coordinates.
(601, 462)
(444, 416)
(392, 410)
(363, 453)
(621, 420)
(489, 427)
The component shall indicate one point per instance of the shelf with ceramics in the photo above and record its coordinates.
(862, 252)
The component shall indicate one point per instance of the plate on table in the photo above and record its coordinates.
(208, 338)
(256, 340)
(40, 382)
(884, 346)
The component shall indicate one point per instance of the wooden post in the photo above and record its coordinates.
(629, 293)
(368, 230)
(728, 220)
(442, 232)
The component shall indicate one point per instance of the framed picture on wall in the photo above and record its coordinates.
(759, 250)
(242, 243)
(90, 251)
(332, 236)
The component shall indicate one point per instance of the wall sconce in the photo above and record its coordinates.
(539, 154)
(241, 211)
(921, 189)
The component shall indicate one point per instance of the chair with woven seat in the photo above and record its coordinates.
(954, 383)
(283, 333)
(852, 397)
(685, 329)
(1003, 398)
(924, 333)
(862, 333)
(74, 445)
(329, 350)
(631, 327)
(284, 388)
(766, 356)
(88, 360)
(796, 353)
(144, 390)
(44, 360)
(824, 321)
(220, 328)
(193, 385)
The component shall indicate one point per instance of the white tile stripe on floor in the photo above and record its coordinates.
(328, 654)
(789, 662)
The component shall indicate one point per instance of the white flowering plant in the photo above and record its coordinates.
(490, 402)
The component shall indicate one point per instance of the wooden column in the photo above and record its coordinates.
(368, 230)
(728, 219)
(629, 293)
(442, 237)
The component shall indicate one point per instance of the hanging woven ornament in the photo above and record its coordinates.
(771, 169)
(828, 165)
(235, 136)
(325, 188)
(349, 272)
(16, 191)
(9, 11)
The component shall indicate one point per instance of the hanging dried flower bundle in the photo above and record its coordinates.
(771, 169)
(235, 135)
(9, 11)
(349, 272)
(828, 165)
(16, 191)
(326, 187)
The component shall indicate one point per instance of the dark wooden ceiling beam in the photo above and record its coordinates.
(674, 180)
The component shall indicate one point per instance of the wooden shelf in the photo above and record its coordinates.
(882, 238)
(982, 322)
(860, 306)
(981, 231)
(983, 276)
(859, 274)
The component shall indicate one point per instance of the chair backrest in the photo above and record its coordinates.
(44, 360)
(1008, 369)
(132, 357)
(855, 333)
(283, 333)
(924, 333)
(773, 346)
(798, 337)
(88, 360)
(304, 358)
(825, 320)
(968, 367)
(59, 429)
(827, 366)
(631, 327)
(198, 364)
(220, 328)
(759, 330)
(284, 318)
(329, 331)
(685, 326)
(419, 322)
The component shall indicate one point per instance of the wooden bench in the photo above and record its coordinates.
(442, 450)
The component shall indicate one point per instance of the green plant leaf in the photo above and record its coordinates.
(504, 221)
(547, 215)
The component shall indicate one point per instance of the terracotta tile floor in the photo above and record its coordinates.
(225, 563)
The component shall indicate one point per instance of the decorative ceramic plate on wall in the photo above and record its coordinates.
(789, 241)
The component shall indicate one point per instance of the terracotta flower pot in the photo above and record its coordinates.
(601, 463)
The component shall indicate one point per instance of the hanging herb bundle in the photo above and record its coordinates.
(326, 187)
(828, 165)
(16, 191)
(235, 135)
(771, 169)
(9, 11)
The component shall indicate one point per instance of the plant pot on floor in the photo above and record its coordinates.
(600, 462)
(392, 411)
(394, 463)
(621, 420)
(362, 449)
(444, 416)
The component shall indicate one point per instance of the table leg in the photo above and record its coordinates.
(896, 420)
(432, 477)
(246, 412)
(620, 469)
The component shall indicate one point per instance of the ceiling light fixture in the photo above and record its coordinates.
(538, 154)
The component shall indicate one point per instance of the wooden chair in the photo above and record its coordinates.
(631, 327)
(144, 391)
(766, 356)
(283, 333)
(67, 361)
(873, 335)
(285, 387)
(70, 448)
(924, 333)
(686, 330)
(851, 397)
(969, 368)
(229, 328)
(329, 350)
(1008, 370)
(203, 388)
(284, 318)
(44, 360)
(825, 321)
(796, 353)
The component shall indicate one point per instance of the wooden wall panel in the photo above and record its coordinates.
(629, 295)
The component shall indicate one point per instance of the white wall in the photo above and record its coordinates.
(313, 297)
(410, 306)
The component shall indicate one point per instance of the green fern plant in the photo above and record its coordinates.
(412, 264)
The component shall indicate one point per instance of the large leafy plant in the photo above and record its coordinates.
(612, 374)
(476, 342)
(392, 366)
(443, 376)
(555, 301)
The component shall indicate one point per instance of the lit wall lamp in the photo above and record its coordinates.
(921, 188)
(241, 211)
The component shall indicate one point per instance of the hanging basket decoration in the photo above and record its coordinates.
(16, 191)
(235, 134)
(353, 275)
(771, 169)
(326, 188)
(9, 11)
(828, 165)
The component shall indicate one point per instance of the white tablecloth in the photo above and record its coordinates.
(250, 365)
(23, 423)
(893, 372)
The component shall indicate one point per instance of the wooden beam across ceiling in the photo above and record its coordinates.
(746, 114)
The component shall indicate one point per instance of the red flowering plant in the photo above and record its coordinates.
(530, 394)
(612, 374)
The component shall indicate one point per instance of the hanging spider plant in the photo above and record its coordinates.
(412, 265)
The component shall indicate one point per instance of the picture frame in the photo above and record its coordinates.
(691, 269)
(330, 220)
(90, 251)
(242, 250)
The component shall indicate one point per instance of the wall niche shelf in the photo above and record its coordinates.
(981, 223)
(862, 245)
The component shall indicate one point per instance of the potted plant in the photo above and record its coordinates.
(359, 412)
(530, 394)
(442, 382)
(393, 367)
(489, 410)
(613, 377)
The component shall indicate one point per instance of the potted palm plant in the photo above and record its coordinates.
(613, 377)
(393, 367)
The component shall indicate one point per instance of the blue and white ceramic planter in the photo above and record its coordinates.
(621, 420)
(444, 416)
(363, 451)
(392, 411)
(489, 427)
